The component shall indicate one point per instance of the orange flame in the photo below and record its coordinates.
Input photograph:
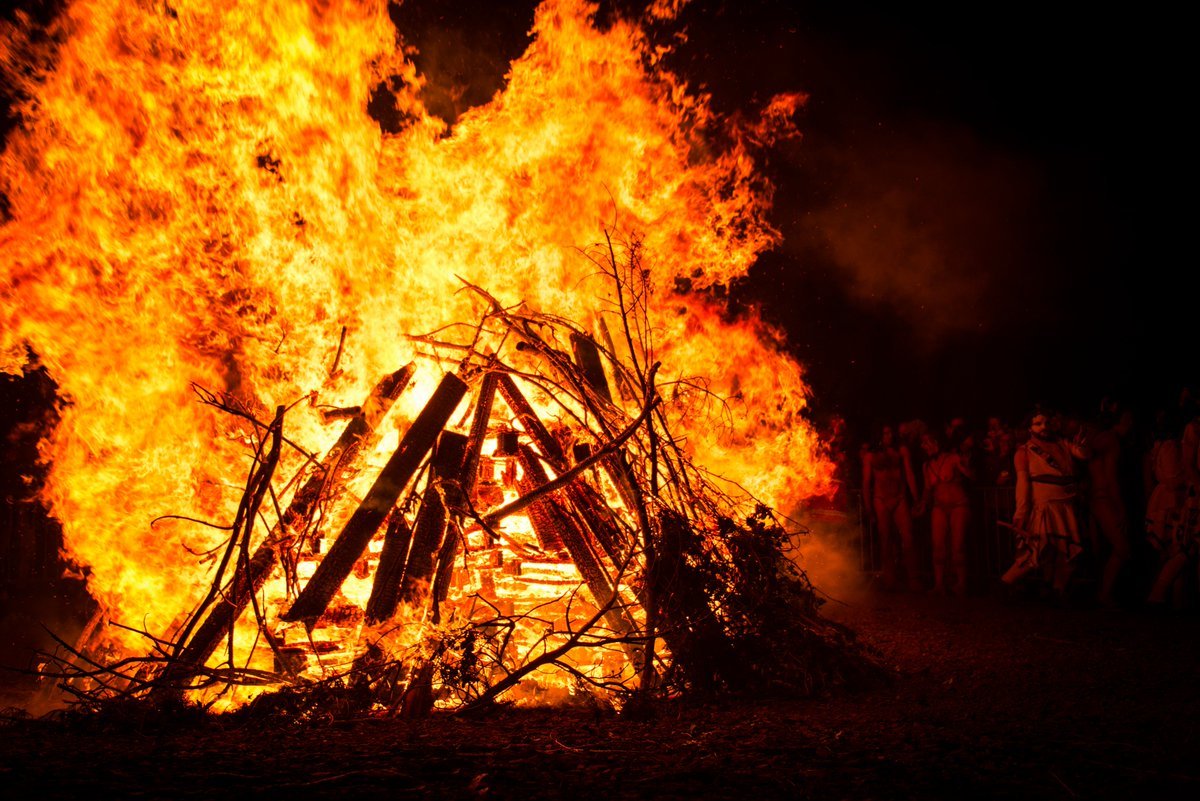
(199, 196)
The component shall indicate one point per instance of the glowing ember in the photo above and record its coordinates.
(199, 198)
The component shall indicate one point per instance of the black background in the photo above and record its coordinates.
(989, 206)
(987, 209)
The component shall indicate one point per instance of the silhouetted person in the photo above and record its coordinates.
(1165, 478)
(888, 483)
(945, 498)
(1045, 520)
(997, 445)
(1107, 500)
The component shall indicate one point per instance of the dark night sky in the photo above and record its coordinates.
(982, 212)
(979, 215)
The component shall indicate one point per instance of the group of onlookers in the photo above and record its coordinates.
(1109, 499)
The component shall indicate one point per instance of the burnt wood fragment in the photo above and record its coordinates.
(533, 425)
(431, 520)
(386, 587)
(587, 357)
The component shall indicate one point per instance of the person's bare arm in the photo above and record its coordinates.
(926, 492)
(1189, 445)
(1024, 497)
(1109, 452)
(964, 467)
(910, 477)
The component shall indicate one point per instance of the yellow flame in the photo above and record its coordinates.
(198, 195)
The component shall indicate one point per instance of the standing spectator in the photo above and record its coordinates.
(1045, 520)
(1165, 480)
(945, 498)
(888, 483)
(1107, 500)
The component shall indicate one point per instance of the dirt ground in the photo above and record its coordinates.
(991, 700)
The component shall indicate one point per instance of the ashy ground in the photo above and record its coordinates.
(990, 700)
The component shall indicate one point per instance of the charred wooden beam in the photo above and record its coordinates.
(541, 515)
(445, 566)
(587, 357)
(468, 477)
(380, 499)
(427, 536)
(479, 426)
(385, 590)
(599, 518)
(521, 407)
(577, 543)
(253, 574)
(431, 520)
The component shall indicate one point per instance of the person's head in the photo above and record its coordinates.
(887, 436)
(1043, 423)
(930, 443)
(1167, 424)
(911, 431)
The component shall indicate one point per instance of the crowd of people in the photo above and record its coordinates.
(1102, 507)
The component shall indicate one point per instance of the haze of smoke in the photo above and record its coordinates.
(829, 554)
(931, 221)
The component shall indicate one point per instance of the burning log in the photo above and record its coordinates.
(385, 591)
(532, 424)
(461, 496)
(541, 515)
(587, 356)
(431, 520)
(483, 412)
(445, 565)
(253, 573)
(380, 499)
(576, 541)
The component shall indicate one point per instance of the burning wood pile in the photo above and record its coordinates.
(550, 494)
(508, 548)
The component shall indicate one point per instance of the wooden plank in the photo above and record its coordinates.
(532, 424)
(587, 358)
(431, 520)
(385, 590)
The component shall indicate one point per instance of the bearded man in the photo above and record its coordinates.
(1045, 520)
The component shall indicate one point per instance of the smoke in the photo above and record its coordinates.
(829, 553)
(927, 221)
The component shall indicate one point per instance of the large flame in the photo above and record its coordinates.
(199, 196)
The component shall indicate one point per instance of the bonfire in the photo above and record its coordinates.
(429, 418)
